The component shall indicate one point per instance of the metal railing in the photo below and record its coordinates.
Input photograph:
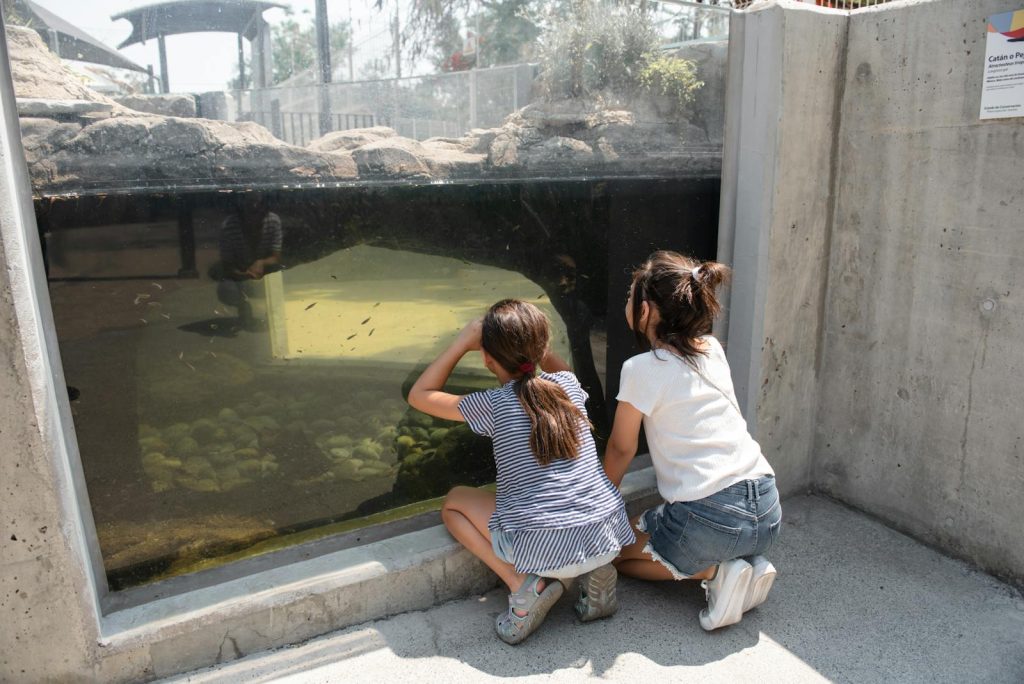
(420, 107)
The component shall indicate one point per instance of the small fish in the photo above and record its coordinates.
(310, 306)
(212, 354)
(376, 305)
(352, 349)
(144, 321)
(167, 316)
(540, 296)
(371, 332)
(366, 320)
(351, 336)
(141, 297)
(334, 277)
(157, 286)
(181, 356)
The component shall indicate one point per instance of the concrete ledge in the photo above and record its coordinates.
(297, 602)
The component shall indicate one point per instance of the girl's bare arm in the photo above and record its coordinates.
(623, 441)
(553, 363)
(427, 394)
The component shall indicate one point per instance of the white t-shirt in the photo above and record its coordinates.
(698, 439)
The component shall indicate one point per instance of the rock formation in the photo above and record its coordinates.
(87, 142)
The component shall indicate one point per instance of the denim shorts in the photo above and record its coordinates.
(739, 521)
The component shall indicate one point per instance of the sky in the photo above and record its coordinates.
(201, 62)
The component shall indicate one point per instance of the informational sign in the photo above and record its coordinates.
(1002, 93)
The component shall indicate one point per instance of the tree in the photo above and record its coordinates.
(508, 30)
(293, 48)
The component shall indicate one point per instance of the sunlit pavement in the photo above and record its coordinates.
(854, 602)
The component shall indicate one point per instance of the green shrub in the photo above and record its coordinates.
(672, 77)
(607, 50)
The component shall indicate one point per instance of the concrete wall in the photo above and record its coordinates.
(919, 418)
(46, 582)
(876, 231)
(785, 69)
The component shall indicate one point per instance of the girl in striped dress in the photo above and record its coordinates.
(554, 516)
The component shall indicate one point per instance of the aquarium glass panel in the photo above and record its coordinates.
(248, 271)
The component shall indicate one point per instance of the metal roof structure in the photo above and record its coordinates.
(191, 16)
(70, 42)
(242, 17)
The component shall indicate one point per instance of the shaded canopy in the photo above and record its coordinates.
(191, 16)
(73, 42)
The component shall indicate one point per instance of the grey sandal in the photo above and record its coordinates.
(513, 629)
(598, 598)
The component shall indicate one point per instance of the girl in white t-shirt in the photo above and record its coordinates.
(721, 512)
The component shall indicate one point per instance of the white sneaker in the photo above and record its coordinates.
(726, 593)
(761, 582)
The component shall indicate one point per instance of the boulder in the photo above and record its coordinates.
(345, 141)
(149, 150)
(61, 109)
(559, 153)
(165, 105)
(392, 158)
(448, 158)
(39, 74)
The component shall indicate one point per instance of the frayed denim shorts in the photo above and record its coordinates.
(739, 521)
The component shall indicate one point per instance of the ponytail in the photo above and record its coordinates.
(683, 291)
(554, 419)
(515, 334)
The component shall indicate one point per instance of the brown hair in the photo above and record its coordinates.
(515, 334)
(683, 291)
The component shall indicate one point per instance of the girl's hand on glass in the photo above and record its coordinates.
(469, 337)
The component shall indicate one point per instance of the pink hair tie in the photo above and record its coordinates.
(526, 367)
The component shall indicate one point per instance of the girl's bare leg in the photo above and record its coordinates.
(633, 562)
(466, 512)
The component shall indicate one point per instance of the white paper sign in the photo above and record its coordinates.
(1002, 93)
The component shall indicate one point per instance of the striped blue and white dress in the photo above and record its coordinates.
(557, 515)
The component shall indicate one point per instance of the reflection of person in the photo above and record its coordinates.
(555, 515)
(721, 510)
(250, 247)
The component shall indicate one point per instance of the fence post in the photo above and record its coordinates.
(472, 99)
(276, 124)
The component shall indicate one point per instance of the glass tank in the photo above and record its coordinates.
(254, 248)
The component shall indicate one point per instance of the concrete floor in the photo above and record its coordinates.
(854, 602)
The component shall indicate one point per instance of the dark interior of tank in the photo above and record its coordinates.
(217, 417)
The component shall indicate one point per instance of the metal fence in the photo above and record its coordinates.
(446, 104)
(834, 4)
(847, 4)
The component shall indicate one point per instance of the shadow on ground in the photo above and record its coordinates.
(854, 602)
